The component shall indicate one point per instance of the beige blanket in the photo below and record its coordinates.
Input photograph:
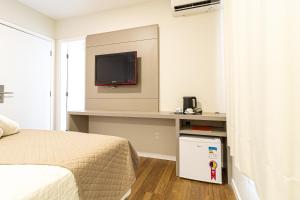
(103, 166)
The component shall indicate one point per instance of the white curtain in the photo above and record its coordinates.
(262, 67)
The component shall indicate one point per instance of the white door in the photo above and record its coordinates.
(72, 78)
(25, 70)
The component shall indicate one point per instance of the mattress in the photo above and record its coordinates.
(35, 182)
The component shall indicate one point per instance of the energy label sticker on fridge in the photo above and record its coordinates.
(213, 172)
(212, 152)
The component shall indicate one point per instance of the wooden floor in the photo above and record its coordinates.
(156, 180)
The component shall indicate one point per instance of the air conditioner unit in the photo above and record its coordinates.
(189, 7)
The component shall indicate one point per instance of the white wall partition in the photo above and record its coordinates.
(25, 70)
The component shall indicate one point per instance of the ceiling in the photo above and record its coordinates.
(59, 9)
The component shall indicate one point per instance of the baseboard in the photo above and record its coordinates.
(157, 156)
(235, 190)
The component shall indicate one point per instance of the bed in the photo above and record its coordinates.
(50, 165)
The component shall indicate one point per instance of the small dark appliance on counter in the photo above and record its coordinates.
(190, 105)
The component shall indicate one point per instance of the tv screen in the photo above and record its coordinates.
(116, 69)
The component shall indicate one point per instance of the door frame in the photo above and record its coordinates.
(58, 79)
(52, 66)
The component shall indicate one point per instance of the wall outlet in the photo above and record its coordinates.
(156, 135)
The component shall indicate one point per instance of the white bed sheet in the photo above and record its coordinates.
(37, 182)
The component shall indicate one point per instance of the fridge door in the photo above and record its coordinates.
(200, 161)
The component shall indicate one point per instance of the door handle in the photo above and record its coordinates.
(2, 93)
(6, 93)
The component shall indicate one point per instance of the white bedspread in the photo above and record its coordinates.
(37, 182)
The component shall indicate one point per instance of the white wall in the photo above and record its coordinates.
(18, 14)
(190, 49)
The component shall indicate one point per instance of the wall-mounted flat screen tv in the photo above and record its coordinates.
(116, 69)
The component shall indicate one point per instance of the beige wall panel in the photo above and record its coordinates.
(148, 71)
(146, 135)
(151, 105)
(134, 34)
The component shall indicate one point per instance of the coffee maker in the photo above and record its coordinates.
(190, 103)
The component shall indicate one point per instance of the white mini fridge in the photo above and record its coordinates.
(200, 158)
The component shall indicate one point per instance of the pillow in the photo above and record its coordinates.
(1, 132)
(8, 126)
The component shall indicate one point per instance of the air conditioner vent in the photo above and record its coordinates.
(192, 5)
(196, 6)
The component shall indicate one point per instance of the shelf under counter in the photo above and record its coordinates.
(204, 116)
(203, 133)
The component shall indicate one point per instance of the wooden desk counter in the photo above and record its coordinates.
(141, 127)
(155, 115)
